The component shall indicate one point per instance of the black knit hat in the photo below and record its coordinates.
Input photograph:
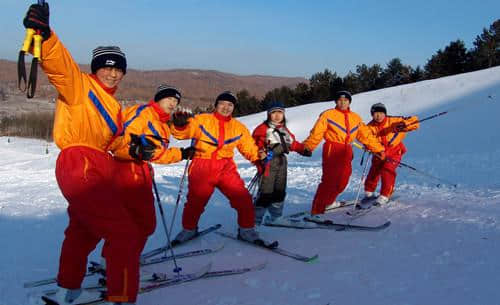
(109, 56)
(343, 93)
(226, 96)
(164, 91)
(378, 107)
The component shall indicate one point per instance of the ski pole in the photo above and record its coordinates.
(34, 38)
(360, 185)
(181, 186)
(401, 164)
(177, 269)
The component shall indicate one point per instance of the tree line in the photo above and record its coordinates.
(453, 59)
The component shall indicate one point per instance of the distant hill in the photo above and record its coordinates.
(199, 87)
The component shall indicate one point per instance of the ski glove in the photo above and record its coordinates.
(300, 149)
(141, 148)
(260, 166)
(306, 153)
(181, 117)
(399, 127)
(188, 153)
(37, 18)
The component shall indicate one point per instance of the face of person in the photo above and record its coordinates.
(277, 116)
(168, 104)
(378, 116)
(343, 103)
(109, 76)
(224, 108)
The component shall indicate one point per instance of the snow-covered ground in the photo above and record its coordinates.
(442, 246)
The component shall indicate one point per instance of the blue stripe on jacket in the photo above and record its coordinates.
(103, 112)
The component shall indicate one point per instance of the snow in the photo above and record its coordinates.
(441, 248)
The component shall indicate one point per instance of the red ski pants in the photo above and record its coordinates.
(337, 158)
(383, 169)
(87, 179)
(204, 176)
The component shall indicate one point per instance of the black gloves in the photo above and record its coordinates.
(37, 18)
(398, 127)
(141, 148)
(188, 152)
(306, 152)
(180, 118)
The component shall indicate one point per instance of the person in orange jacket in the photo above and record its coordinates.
(338, 127)
(273, 136)
(216, 135)
(146, 137)
(390, 131)
(87, 121)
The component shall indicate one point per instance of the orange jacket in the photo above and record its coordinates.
(86, 114)
(216, 137)
(150, 120)
(343, 127)
(386, 133)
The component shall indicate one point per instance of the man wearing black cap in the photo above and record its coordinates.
(338, 127)
(390, 131)
(216, 135)
(87, 121)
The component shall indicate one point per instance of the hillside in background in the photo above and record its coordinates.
(199, 87)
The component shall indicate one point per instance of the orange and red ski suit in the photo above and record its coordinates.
(215, 138)
(87, 121)
(338, 128)
(392, 140)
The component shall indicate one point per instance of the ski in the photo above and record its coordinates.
(162, 259)
(159, 250)
(97, 268)
(347, 226)
(296, 223)
(161, 277)
(157, 276)
(334, 206)
(176, 280)
(275, 249)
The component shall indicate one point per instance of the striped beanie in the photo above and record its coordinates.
(109, 56)
(165, 90)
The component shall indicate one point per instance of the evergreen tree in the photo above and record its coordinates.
(369, 77)
(303, 94)
(453, 60)
(324, 85)
(486, 51)
(395, 73)
(283, 94)
(247, 103)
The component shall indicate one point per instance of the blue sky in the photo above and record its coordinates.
(285, 38)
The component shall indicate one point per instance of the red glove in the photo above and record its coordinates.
(260, 167)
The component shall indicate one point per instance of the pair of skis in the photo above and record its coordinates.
(96, 268)
(162, 280)
(301, 221)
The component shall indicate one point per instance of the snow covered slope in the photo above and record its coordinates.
(441, 248)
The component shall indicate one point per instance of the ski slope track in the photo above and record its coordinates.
(441, 248)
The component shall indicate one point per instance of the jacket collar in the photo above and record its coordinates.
(220, 117)
(110, 91)
(164, 117)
